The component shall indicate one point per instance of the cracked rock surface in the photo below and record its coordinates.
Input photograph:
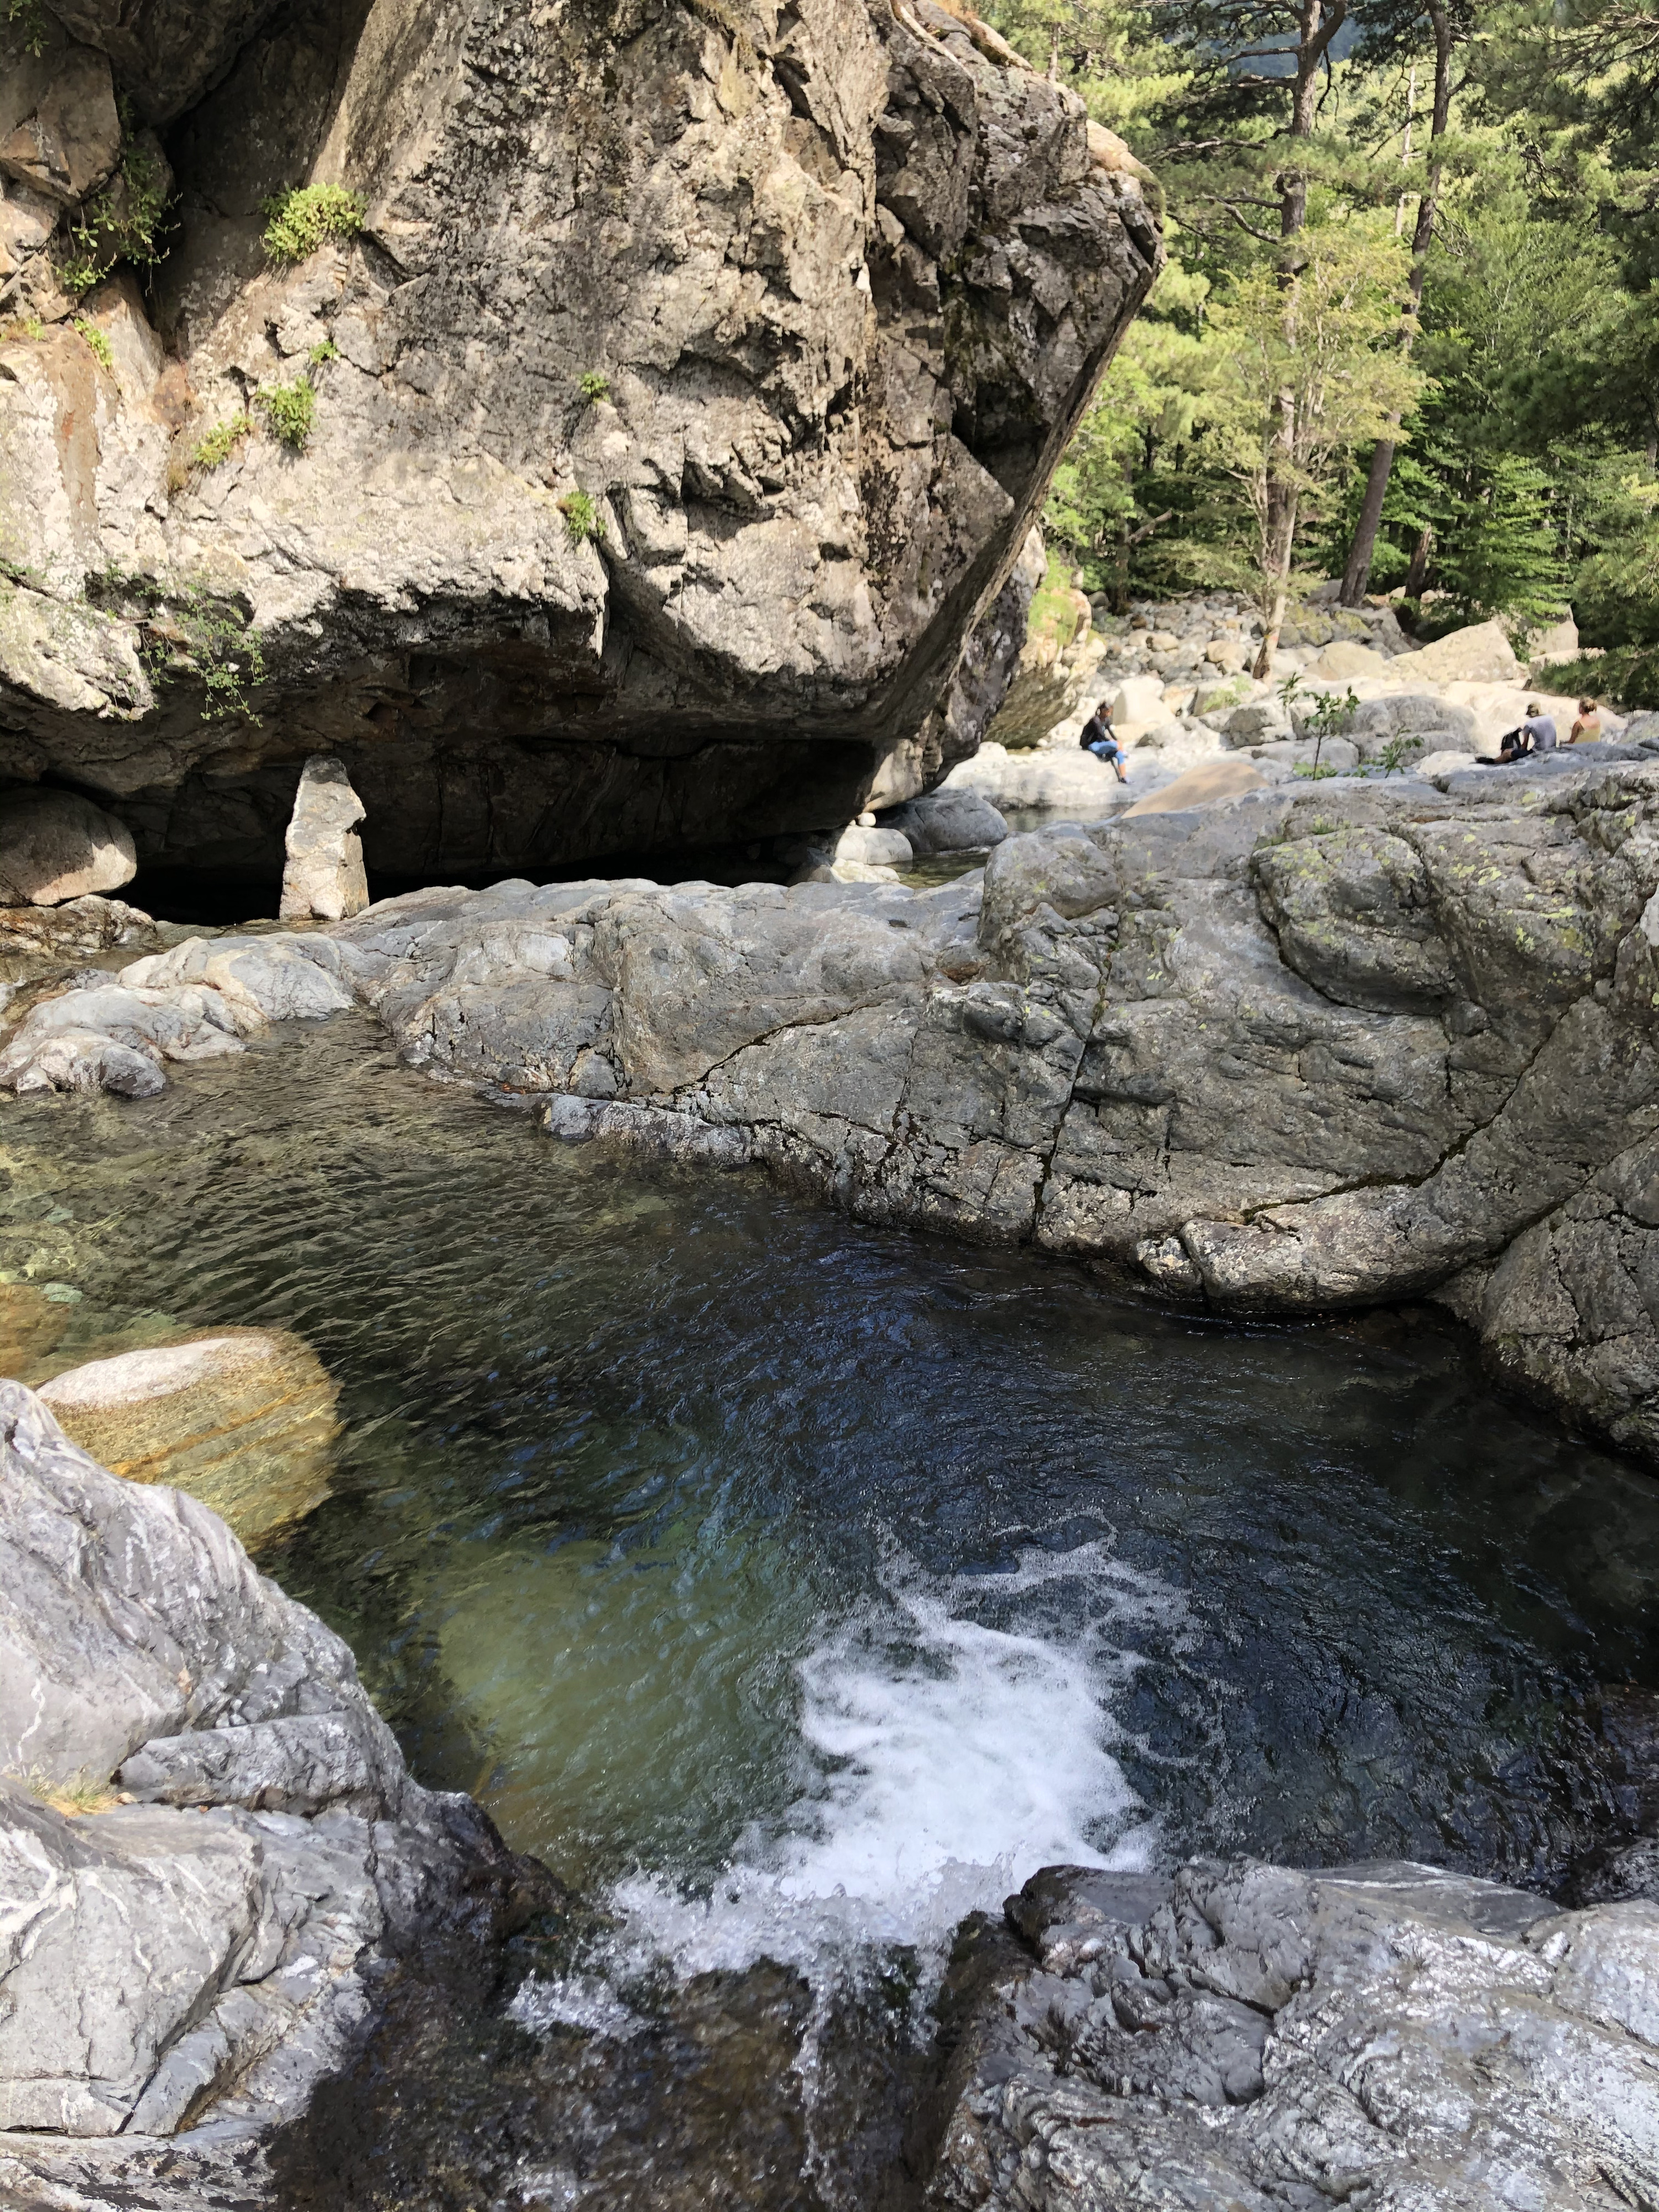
(1245, 2038)
(179, 1970)
(680, 412)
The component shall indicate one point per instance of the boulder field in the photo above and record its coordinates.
(632, 455)
(1308, 1048)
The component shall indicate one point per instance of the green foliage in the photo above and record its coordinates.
(1331, 717)
(593, 386)
(97, 340)
(1625, 675)
(298, 221)
(126, 221)
(325, 350)
(222, 439)
(1395, 756)
(189, 631)
(28, 19)
(289, 410)
(581, 518)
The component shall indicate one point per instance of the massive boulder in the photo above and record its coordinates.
(1243, 2037)
(211, 1850)
(645, 473)
(56, 846)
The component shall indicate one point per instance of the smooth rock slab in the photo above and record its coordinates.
(245, 1419)
(55, 845)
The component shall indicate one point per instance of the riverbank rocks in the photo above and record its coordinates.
(1240, 2037)
(180, 1970)
(55, 847)
(718, 546)
(196, 1001)
(1481, 653)
(324, 878)
(245, 1419)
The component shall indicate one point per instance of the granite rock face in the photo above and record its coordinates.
(1244, 2037)
(680, 412)
(179, 1970)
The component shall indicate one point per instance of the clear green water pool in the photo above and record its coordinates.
(789, 1582)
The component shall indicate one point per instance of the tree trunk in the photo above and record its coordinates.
(1363, 552)
(1419, 566)
(1279, 550)
(1317, 24)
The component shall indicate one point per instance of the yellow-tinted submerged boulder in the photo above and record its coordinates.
(245, 1419)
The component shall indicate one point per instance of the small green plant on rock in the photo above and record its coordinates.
(1393, 757)
(325, 350)
(189, 630)
(289, 410)
(125, 222)
(593, 386)
(97, 340)
(28, 19)
(298, 221)
(581, 517)
(222, 439)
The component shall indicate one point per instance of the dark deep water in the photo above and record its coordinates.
(792, 1587)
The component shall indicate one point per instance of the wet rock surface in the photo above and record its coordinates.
(678, 414)
(243, 1419)
(1242, 2036)
(182, 1966)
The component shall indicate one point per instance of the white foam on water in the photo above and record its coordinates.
(572, 2001)
(958, 1736)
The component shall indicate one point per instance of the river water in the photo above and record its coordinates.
(791, 1588)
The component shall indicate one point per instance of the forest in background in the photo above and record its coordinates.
(1408, 334)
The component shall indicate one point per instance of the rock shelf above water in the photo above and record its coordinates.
(1305, 1049)
(1245, 2038)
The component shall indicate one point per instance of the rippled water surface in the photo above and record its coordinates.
(702, 1532)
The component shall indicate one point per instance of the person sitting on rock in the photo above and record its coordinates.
(1535, 734)
(1588, 728)
(1098, 738)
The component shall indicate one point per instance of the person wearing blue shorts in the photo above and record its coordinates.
(1098, 738)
